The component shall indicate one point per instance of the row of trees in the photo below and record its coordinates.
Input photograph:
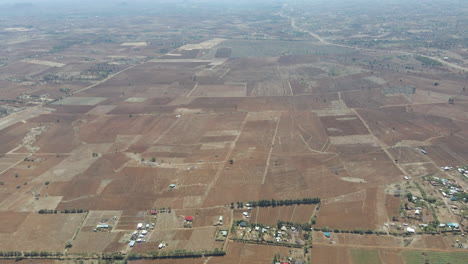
(179, 253)
(65, 211)
(274, 203)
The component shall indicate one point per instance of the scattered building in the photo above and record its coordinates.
(453, 225)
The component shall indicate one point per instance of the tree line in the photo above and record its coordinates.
(178, 253)
(64, 211)
(274, 203)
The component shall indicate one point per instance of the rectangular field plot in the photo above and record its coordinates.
(414, 257)
(365, 256)
(57, 229)
(344, 125)
(221, 90)
(80, 101)
(271, 215)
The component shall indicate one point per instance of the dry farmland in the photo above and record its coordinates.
(146, 136)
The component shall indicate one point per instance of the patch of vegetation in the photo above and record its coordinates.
(363, 256)
(416, 257)
(428, 61)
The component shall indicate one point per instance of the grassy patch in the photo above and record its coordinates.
(428, 61)
(416, 257)
(364, 256)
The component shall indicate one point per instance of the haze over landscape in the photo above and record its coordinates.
(246, 132)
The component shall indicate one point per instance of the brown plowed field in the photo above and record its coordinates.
(343, 125)
(195, 130)
(392, 125)
(350, 214)
(331, 254)
(271, 215)
(35, 227)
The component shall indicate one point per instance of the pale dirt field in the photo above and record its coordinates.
(46, 63)
(354, 139)
(136, 44)
(80, 159)
(80, 101)
(23, 116)
(203, 45)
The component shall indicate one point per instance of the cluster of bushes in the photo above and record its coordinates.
(29, 254)
(10, 254)
(179, 253)
(428, 61)
(65, 211)
(116, 256)
(304, 226)
(42, 254)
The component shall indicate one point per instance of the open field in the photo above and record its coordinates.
(434, 257)
(168, 121)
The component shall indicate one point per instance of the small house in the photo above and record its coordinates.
(153, 212)
(140, 226)
(224, 233)
(189, 218)
(417, 212)
(327, 234)
(410, 230)
(453, 225)
(243, 224)
(132, 243)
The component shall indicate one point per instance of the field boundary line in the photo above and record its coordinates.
(218, 173)
(391, 248)
(224, 74)
(193, 89)
(267, 165)
(290, 88)
(166, 131)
